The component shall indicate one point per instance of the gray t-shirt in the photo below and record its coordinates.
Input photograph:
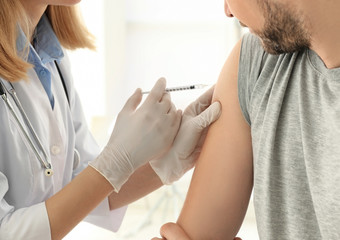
(292, 103)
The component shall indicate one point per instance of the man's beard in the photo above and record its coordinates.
(284, 31)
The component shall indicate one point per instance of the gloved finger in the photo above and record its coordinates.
(173, 231)
(206, 97)
(133, 101)
(172, 108)
(208, 116)
(174, 119)
(200, 104)
(165, 103)
(204, 100)
(202, 138)
(157, 91)
(178, 119)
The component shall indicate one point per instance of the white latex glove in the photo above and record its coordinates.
(189, 140)
(139, 135)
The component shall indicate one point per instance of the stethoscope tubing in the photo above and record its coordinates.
(45, 163)
(28, 122)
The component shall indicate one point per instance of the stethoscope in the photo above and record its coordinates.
(42, 159)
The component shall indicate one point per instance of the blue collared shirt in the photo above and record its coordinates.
(46, 49)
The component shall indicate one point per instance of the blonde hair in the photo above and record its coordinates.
(66, 23)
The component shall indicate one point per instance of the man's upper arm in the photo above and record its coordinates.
(218, 196)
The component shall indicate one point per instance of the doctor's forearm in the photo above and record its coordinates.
(75, 201)
(141, 183)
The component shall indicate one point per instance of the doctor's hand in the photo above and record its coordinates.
(189, 140)
(172, 231)
(139, 135)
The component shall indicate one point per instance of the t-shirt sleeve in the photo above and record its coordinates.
(251, 57)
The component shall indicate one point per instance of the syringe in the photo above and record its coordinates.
(181, 88)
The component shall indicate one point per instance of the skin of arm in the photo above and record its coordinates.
(77, 199)
(142, 182)
(222, 182)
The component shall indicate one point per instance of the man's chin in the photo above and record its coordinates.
(245, 26)
(242, 24)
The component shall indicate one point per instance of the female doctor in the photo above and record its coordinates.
(52, 173)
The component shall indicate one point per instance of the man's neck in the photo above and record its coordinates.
(326, 32)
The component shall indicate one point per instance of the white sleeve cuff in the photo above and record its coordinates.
(101, 216)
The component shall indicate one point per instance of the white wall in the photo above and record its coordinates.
(139, 41)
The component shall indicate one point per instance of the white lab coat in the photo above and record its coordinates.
(23, 185)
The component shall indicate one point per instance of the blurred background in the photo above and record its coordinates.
(139, 41)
